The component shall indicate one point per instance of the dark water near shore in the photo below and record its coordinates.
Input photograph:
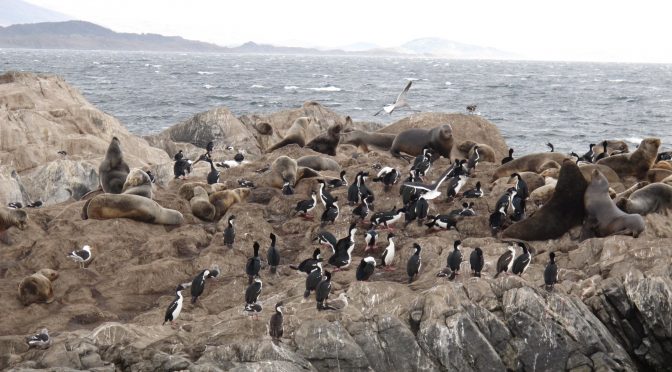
(569, 104)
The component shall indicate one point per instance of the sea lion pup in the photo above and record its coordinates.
(37, 288)
(327, 142)
(563, 211)
(653, 198)
(186, 190)
(295, 134)
(603, 218)
(318, 163)
(363, 139)
(285, 170)
(412, 141)
(537, 163)
(200, 205)
(138, 208)
(636, 163)
(485, 152)
(223, 200)
(663, 164)
(11, 218)
(138, 183)
(113, 170)
(543, 194)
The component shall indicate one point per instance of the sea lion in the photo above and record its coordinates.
(327, 142)
(363, 139)
(543, 194)
(113, 170)
(613, 147)
(11, 218)
(667, 181)
(295, 134)
(264, 128)
(186, 190)
(532, 180)
(285, 169)
(223, 200)
(587, 170)
(653, 198)
(200, 205)
(626, 194)
(412, 141)
(537, 162)
(485, 152)
(563, 211)
(138, 183)
(37, 288)
(657, 175)
(138, 208)
(318, 163)
(634, 164)
(603, 218)
(663, 164)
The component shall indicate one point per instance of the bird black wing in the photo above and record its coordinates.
(252, 293)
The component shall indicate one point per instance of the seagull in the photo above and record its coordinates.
(81, 256)
(399, 103)
(431, 191)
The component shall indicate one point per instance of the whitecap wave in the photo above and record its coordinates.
(258, 86)
(208, 86)
(635, 140)
(327, 89)
(291, 87)
(411, 79)
(617, 80)
(449, 83)
(206, 73)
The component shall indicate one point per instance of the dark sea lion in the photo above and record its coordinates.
(636, 163)
(138, 208)
(412, 141)
(537, 163)
(318, 163)
(364, 140)
(223, 200)
(295, 134)
(113, 170)
(327, 143)
(563, 211)
(11, 218)
(138, 183)
(37, 288)
(653, 198)
(603, 218)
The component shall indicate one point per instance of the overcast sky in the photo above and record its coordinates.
(589, 30)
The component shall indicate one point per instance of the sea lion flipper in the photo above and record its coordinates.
(305, 172)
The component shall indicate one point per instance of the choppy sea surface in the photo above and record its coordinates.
(568, 104)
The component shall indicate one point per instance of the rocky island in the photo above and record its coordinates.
(611, 309)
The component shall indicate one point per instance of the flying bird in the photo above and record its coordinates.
(399, 103)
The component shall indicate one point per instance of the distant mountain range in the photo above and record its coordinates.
(16, 12)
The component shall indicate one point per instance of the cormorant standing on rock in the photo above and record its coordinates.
(253, 264)
(414, 263)
(273, 255)
(551, 272)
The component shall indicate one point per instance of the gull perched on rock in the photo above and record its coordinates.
(399, 103)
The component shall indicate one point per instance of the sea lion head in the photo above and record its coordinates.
(137, 177)
(650, 145)
(445, 131)
(264, 129)
(21, 218)
(598, 180)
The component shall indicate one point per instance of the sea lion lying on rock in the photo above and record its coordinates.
(285, 169)
(412, 141)
(485, 152)
(138, 183)
(138, 208)
(657, 175)
(37, 288)
(603, 218)
(113, 170)
(653, 198)
(327, 143)
(200, 205)
(364, 140)
(318, 163)
(11, 218)
(634, 164)
(297, 133)
(223, 200)
(536, 163)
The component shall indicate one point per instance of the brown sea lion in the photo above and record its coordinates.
(653, 198)
(364, 140)
(486, 152)
(201, 206)
(138, 183)
(663, 164)
(186, 190)
(223, 200)
(295, 134)
(327, 142)
(285, 169)
(657, 175)
(37, 288)
(636, 163)
(587, 170)
(543, 194)
(536, 163)
(113, 170)
(563, 211)
(412, 141)
(603, 218)
(318, 163)
(614, 147)
(138, 208)
(11, 218)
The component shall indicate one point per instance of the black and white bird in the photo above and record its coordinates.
(388, 176)
(230, 232)
(442, 222)
(522, 262)
(213, 176)
(467, 210)
(362, 210)
(400, 102)
(666, 155)
(35, 204)
(182, 168)
(414, 263)
(304, 207)
(408, 192)
(252, 297)
(423, 162)
(344, 247)
(210, 147)
(387, 257)
(40, 340)
(198, 284)
(253, 264)
(330, 213)
(179, 156)
(326, 238)
(477, 261)
(307, 265)
(550, 272)
(275, 327)
(353, 189)
(246, 183)
(313, 280)
(588, 156)
(476, 192)
(455, 259)
(472, 108)
(605, 153)
(287, 188)
(505, 261)
(387, 218)
(518, 208)
(365, 269)
(15, 205)
(521, 186)
(365, 191)
(63, 153)
(370, 239)
(152, 179)
(505, 200)
(237, 160)
(325, 196)
(341, 181)
(455, 184)
(421, 209)
(508, 158)
(82, 256)
(175, 307)
(273, 255)
(473, 160)
(323, 290)
(550, 145)
(431, 190)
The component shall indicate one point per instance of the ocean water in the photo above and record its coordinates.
(568, 104)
